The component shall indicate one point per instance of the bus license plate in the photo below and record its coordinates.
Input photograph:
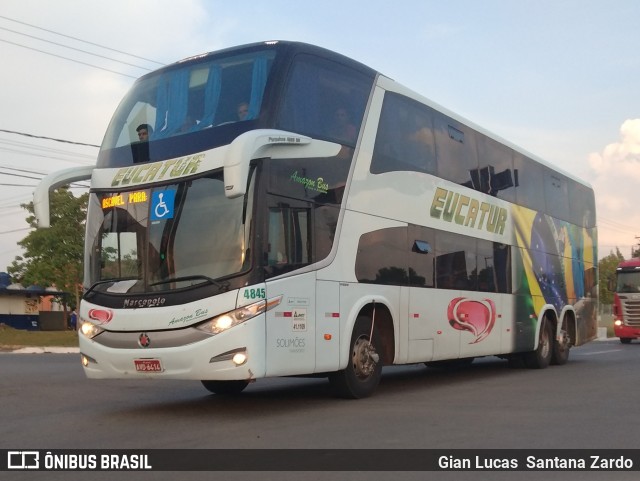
(148, 365)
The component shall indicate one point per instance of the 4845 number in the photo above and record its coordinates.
(255, 293)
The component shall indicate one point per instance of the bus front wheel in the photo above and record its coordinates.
(362, 374)
(228, 388)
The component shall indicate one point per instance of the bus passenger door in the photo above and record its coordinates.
(290, 329)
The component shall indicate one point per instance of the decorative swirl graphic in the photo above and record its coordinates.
(103, 316)
(476, 317)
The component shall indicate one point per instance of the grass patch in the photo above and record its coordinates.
(13, 338)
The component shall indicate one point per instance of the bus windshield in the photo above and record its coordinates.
(189, 98)
(154, 239)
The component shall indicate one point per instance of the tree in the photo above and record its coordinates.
(54, 256)
(607, 272)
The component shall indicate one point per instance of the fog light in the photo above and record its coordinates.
(617, 322)
(86, 360)
(239, 358)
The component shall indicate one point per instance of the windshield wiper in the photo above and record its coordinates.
(106, 281)
(208, 280)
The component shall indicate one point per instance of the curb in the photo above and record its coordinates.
(45, 350)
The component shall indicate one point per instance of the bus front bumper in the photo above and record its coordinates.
(238, 354)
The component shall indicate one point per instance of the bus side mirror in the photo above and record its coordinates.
(248, 146)
(52, 182)
(258, 144)
(611, 284)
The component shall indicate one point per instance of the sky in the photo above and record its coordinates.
(559, 78)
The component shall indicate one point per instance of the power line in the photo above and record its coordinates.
(73, 48)
(46, 138)
(75, 184)
(21, 175)
(37, 147)
(67, 58)
(80, 40)
(49, 156)
(15, 230)
(22, 170)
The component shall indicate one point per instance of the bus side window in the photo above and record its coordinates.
(289, 239)
(405, 140)
(317, 89)
(496, 174)
(456, 151)
(456, 262)
(556, 195)
(382, 257)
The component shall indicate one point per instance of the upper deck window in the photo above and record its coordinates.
(192, 97)
(324, 99)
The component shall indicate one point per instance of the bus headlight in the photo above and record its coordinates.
(226, 321)
(90, 330)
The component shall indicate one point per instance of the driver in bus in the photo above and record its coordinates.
(342, 128)
(243, 111)
(144, 130)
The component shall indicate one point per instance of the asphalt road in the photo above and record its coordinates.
(46, 403)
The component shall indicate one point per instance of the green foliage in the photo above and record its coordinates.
(607, 271)
(54, 256)
(14, 338)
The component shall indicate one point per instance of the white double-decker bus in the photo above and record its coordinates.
(294, 212)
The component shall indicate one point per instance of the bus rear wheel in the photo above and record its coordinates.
(227, 388)
(362, 374)
(561, 346)
(541, 357)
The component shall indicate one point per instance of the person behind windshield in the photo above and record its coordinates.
(144, 130)
(342, 128)
(243, 111)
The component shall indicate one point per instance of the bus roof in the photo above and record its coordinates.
(294, 47)
(291, 47)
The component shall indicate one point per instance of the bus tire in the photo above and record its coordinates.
(625, 340)
(225, 388)
(541, 357)
(362, 375)
(560, 353)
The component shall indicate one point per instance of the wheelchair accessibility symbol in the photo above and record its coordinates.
(162, 204)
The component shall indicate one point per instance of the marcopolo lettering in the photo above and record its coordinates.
(469, 212)
(140, 303)
(141, 174)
